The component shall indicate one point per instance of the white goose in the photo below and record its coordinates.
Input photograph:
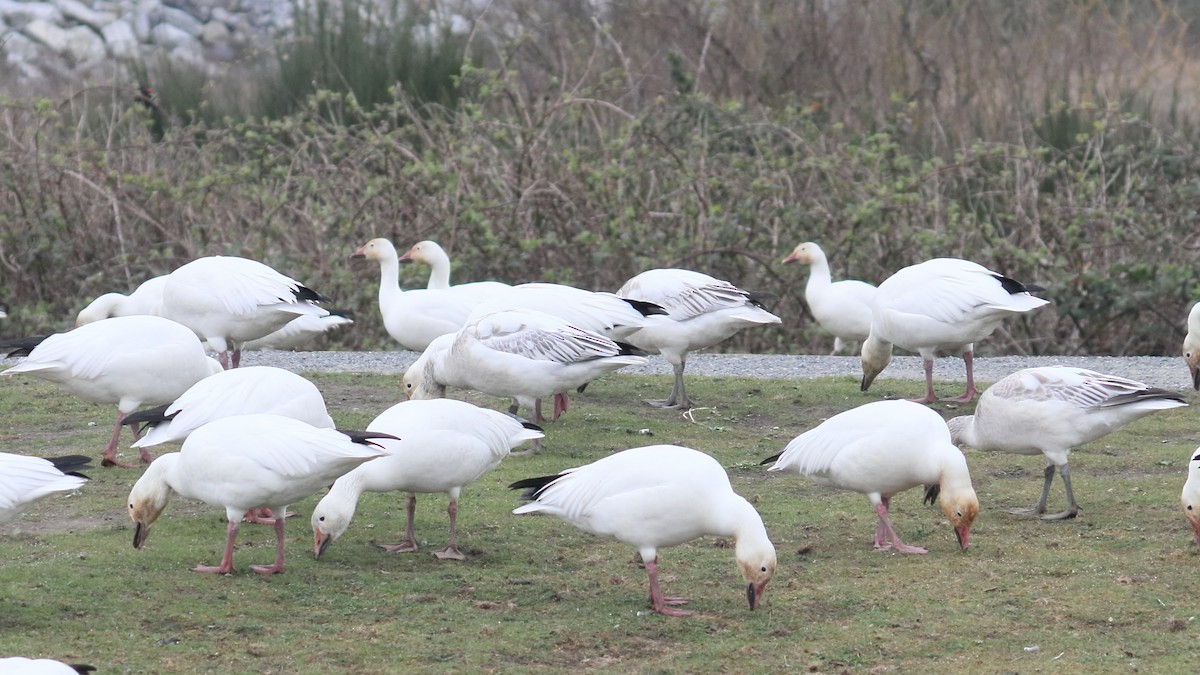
(841, 307)
(1191, 495)
(445, 445)
(609, 315)
(1050, 410)
(940, 304)
(701, 311)
(413, 318)
(431, 254)
(20, 665)
(24, 480)
(1191, 345)
(298, 332)
(881, 449)
(653, 497)
(130, 361)
(229, 301)
(521, 354)
(146, 299)
(244, 462)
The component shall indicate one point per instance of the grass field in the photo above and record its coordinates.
(1112, 591)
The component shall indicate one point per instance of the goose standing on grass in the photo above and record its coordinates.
(24, 480)
(445, 445)
(701, 312)
(881, 449)
(146, 299)
(413, 318)
(520, 354)
(1191, 495)
(1050, 410)
(130, 361)
(1191, 345)
(229, 301)
(244, 462)
(843, 308)
(940, 304)
(654, 497)
(429, 253)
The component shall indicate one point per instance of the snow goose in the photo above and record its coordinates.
(701, 311)
(431, 254)
(20, 665)
(609, 315)
(842, 308)
(1191, 345)
(130, 361)
(521, 354)
(299, 332)
(413, 318)
(653, 497)
(244, 462)
(940, 304)
(1191, 495)
(881, 449)
(445, 445)
(146, 299)
(1049, 410)
(24, 480)
(229, 301)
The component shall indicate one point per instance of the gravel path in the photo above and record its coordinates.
(1166, 372)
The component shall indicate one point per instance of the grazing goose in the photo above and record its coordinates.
(653, 497)
(244, 462)
(299, 332)
(20, 665)
(881, 449)
(445, 445)
(701, 311)
(413, 318)
(609, 315)
(1191, 345)
(429, 253)
(841, 307)
(146, 299)
(24, 480)
(521, 354)
(940, 304)
(130, 361)
(229, 301)
(1191, 495)
(1050, 410)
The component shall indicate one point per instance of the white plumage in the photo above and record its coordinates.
(654, 497)
(431, 254)
(1191, 495)
(20, 665)
(701, 311)
(146, 299)
(298, 332)
(444, 445)
(1191, 345)
(241, 463)
(944, 304)
(843, 308)
(130, 361)
(25, 480)
(881, 449)
(604, 313)
(1050, 410)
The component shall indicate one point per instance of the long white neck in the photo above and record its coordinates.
(389, 278)
(439, 268)
(818, 275)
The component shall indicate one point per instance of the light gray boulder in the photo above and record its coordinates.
(120, 39)
(169, 36)
(84, 46)
(20, 14)
(76, 10)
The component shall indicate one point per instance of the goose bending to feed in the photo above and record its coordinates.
(701, 312)
(413, 318)
(521, 354)
(25, 480)
(130, 361)
(244, 462)
(654, 497)
(20, 665)
(1191, 345)
(940, 304)
(146, 299)
(431, 254)
(445, 445)
(299, 332)
(229, 301)
(1191, 495)
(881, 449)
(842, 308)
(1050, 410)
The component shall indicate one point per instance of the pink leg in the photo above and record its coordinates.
(880, 533)
(237, 356)
(560, 404)
(223, 359)
(969, 361)
(110, 452)
(537, 411)
(451, 551)
(929, 395)
(147, 457)
(226, 566)
(659, 603)
(410, 539)
(277, 567)
(882, 511)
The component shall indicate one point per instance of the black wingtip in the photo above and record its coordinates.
(627, 349)
(532, 486)
(365, 437)
(1012, 286)
(772, 458)
(646, 308)
(69, 464)
(304, 293)
(932, 492)
(149, 416)
(21, 346)
(83, 668)
(761, 298)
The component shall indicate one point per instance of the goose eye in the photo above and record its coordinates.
(322, 519)
(1189, 507)
(764, 568)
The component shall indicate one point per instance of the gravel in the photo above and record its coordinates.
(1167, 372)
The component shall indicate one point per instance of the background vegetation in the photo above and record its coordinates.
(583, 143)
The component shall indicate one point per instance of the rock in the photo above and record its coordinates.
(120, 38)
(169, 36)
(84, 46)
(47, 33)
(145, 15)
(74, 9)
(182, 20)
(19, 14)
(214, 33)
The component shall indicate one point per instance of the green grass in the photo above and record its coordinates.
(1111, 590)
